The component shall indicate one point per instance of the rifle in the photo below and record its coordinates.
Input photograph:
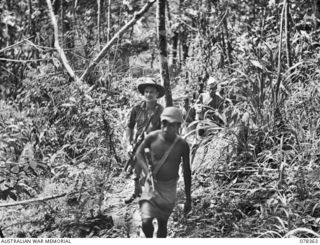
(132, 154)
(148, 159)
(140, 138)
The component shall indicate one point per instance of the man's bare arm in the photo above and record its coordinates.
(141, 161)
(129, 135)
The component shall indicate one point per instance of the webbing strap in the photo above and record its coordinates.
(164, 157)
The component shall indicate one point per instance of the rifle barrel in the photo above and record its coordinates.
(149, 161)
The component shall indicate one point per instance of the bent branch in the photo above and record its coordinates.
(105, 49)
(56, 42)
(4, 205)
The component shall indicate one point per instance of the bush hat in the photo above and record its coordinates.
(212, 81)
(172, 114)
(149, 82)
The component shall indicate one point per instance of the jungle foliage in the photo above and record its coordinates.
(61, 138)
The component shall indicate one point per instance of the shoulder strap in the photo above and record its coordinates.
(164, 157)
(145, 127)
(154, 113)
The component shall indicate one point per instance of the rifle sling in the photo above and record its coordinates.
(146, 127)
(164, 157)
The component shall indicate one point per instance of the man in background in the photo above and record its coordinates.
(143, 118)
(189, 115)
(209, 104)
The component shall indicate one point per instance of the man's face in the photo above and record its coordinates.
(186, 103)
(150, 93)
(213, 89)
(169, 130)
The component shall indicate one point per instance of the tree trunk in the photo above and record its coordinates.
(185, 46)
(228, 44)
(262, 75)
(108, 39)
(175, 40)
(316, 12)
(62, 22)
(168, 12)
(35, 52)
(288, 45)
(162, 44)
(98, 22)
(109, 20)
(76, 32)
(31, 26)
(279, 55)
(62, 55)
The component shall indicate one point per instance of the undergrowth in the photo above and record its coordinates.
(57, 138)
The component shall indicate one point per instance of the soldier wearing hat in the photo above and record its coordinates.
(189, 114)
(210, 101)
(143, 118)
(166, 149)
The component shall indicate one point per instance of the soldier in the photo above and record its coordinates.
(145, 117)
(209, 104)
(189, 115)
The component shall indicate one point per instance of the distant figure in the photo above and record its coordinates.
(199, 91)
(188, 113)
(166, 150)
(209, 103)
(145, 116)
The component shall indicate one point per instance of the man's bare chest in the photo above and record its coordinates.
(160, 150)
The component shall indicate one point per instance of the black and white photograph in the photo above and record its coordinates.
(194, 121)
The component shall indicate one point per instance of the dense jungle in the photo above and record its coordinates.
(68, 78)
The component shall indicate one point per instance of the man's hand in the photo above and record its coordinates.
(198, 108)
(187, 206)
(129, 148)
(150, 180)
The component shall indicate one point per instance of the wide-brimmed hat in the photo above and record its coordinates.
(212, 81)
(172, 114)
(149, 82)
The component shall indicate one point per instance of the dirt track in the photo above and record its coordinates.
(127, 215)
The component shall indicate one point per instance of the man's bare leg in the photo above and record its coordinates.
(147, 227)
(162, 228)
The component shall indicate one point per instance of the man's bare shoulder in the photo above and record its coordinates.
(154, 134)
(183, 142)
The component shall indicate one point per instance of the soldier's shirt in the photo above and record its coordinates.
(205, 99)
(140, 115)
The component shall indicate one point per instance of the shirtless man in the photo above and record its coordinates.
(166, 148)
